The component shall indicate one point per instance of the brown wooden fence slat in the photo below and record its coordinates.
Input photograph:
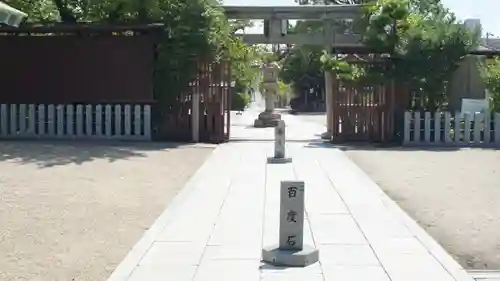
(362, 112)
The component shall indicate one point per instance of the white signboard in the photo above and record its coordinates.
(474, 106)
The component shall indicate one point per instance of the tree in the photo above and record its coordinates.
(491, 76)
(301, 64)
(72, 11)
(194, 31)
(425, 43)
(37, 10)
(284, 91)
(423, 39)
(302, 69)
(429, 43)
(243, 58)
(330, 2)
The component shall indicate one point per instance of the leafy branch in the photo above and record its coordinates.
(491, 76)
(423, 44)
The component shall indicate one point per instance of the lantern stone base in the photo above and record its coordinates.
(294, 258)
(326, 136)
(278, 160)
(267, 119)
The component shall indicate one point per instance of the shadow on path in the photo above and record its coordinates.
(388, 147)
(57, 153)
(271, 140)
(392, 147)
(309, 113)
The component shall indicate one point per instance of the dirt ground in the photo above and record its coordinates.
(453, 194)
(73, 211)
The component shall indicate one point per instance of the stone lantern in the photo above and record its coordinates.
(269, 89)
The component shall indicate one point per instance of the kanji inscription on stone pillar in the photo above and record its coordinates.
(291, 215)
(291, 251)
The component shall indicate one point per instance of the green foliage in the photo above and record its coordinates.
(341, 68)
(37, 10)
(425, 43)
(243, 60)
(240, 101)
(194, 31)
(303, 66)
(422, 42)
(284, 90)
(300, 62)
(72, 11)
(199, 31)
(330, 2)
(269, 57)
(491, 76)
(430, 44)
(301, 69)
(385, 23)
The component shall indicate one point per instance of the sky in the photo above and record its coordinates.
(486, 10)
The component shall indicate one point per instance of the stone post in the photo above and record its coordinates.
(279, 145)
(195, 117)
(291, 250)
(329, 40)
(279, 140)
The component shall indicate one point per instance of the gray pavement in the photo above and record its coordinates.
(215, 229)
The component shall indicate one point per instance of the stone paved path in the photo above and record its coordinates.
(217, 226)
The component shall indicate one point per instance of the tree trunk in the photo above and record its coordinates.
(142, 11)
(65, 13)
(114, 15)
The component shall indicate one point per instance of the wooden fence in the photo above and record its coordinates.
(67, 121)
(89, 64)
(362, 113)
(443, 128)
(202, 112)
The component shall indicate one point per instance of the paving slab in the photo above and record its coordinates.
(217, 227)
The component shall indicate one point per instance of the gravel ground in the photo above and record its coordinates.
(73, 211)
(453, 194)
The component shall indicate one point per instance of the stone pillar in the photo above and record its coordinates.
(329, 40)
(275, 27)
(291, 250)
(279, 145)
(279, 142)
(269, 99)
(291, 233)
(195, 117)
(328, 103)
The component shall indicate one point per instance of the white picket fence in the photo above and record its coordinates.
(65, 121)
(458, 129)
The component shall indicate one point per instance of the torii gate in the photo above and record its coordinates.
(276, 17)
